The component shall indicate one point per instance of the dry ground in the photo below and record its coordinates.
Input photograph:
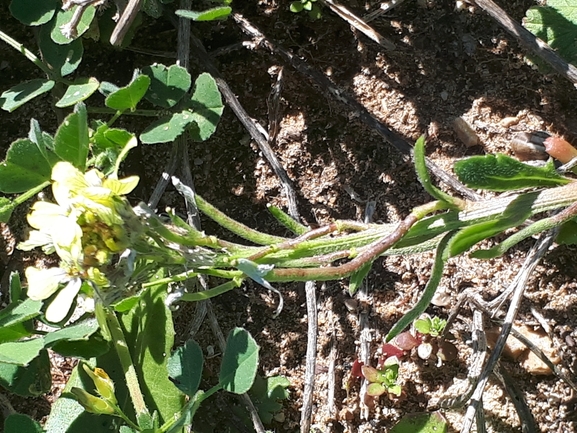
(447, 63)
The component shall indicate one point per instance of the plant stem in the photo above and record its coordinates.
(119, 343)
(27, 53)
(235, 227)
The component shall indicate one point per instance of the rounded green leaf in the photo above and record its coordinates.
(20, 94)
(167, 85)
(376, 389)
(33, 12)
(126, 98)
(167, 129)
(20, 423)
(78, 92)
(421, 423)
(62, 21)
(185, 367)
(206, 105)
(239, 363)
(63, 59)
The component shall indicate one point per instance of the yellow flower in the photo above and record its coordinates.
(85, 228)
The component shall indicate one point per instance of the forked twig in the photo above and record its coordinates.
(538, 250)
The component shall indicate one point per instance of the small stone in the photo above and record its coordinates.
(465, 132)
(351, 304)
(507, 122)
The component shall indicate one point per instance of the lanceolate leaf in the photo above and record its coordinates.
(358, 276)
(503, 173)
(208, 15)
(71, 139)
(239, 363)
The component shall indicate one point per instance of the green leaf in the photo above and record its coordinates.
(19, 311)
(423, 173)
(16, 289)
(185, 367)
(43, 140)
(63, 59)
(71, 139)
(30, 381)
(239, 363)
(67, 415)
(94, 346)
(216, 13)
(568, 233)
(33, 12)
(167, 85)
(207, 107)
(15, 332)
(24, 167)
(266, 394)
(375, 389)
(19, 423)
(150, 336)
(371, 373)
(423, 325)
(20, 94)
(358, 276)
(514, 215)
(167, 129)
(78, 92)
(296, 6)
(79, 331)
(503, 173)
(21, 352)
(126, 98)
(63, 18)
(421, 423)
(152, 8)
(556, 24)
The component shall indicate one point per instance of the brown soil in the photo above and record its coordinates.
(447, 63)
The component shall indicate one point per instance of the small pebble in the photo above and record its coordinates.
(465, 132)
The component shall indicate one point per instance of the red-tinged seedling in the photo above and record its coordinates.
(384, 379)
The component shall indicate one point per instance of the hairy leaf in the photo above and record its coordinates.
(503, 173)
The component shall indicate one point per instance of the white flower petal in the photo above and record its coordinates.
(42, 283)
(45, 215)
(36, 239)
(60, 306)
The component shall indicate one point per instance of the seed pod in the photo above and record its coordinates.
(560, 149)
(528, 146)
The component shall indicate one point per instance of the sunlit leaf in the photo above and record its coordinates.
(503, 173)
(167, 85)
(78, 92)
(217, 13)
(20, 94)
(33, 12)
(126, 98)
(421, 423)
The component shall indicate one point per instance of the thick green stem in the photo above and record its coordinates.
(119, 343)
(235, 227)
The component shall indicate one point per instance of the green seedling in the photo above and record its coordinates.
(384, 379)
(310, 6)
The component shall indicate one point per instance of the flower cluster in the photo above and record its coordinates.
(86, 227)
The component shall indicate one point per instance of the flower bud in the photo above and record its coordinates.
(91, 403)
(102, 382)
